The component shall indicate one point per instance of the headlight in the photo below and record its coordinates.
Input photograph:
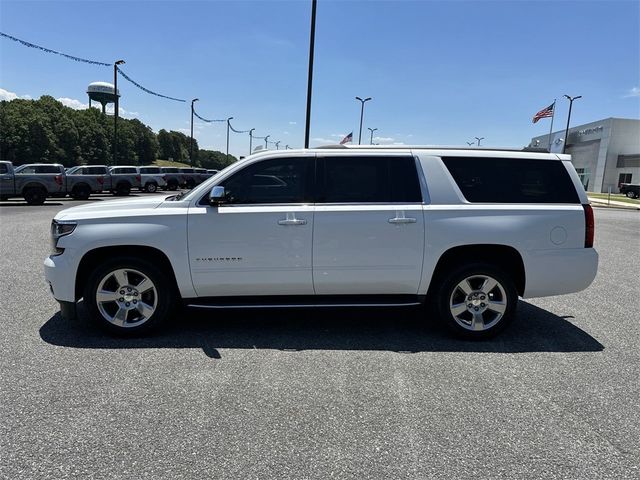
(60, 228)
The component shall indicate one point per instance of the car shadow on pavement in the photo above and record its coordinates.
(402, 330)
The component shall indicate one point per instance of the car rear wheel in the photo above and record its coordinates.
(477, 301)
(151, 187)
(35, 195)
(128, 296)
(172, 185)
(631, 194)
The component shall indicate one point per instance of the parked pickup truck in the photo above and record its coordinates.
(630, 190)
(151, 178)
(174, 178)
(86, 179)
(190, 176)
(123, 179)
(33, 182)
(466, 230)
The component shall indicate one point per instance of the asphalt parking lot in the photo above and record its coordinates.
(321, 394)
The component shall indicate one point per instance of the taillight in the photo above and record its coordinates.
(58, 179)
(100, 180)
(590, 226)
(138, 178)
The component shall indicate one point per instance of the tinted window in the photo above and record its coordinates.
(95, 170)
(74, 170)
(124, 170)
(150, 170)
(201, 170)
(47, 169)
(281, 180)
(169, 170)
(3, 168)
(186, 170)
(507, 180)
(369, 180)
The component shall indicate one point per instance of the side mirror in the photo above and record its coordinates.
(216, 196)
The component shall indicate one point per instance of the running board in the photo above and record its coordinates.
(305, 301)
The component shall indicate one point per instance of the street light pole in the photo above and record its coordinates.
(372, 130)
(191, 140)
(228, 125)
(115, 112)
(251, 140)
(278, 144)
(471, 143)
(566, 132)
(266, 142)
(478, 139)
(312, 41)
(362, 102)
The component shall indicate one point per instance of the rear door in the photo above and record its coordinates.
(368, 235)
(6, 180)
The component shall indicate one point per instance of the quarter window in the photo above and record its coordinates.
(282, 180)
(512, 180)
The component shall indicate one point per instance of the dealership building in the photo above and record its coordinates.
(604, 153)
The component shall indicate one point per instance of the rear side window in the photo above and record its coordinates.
(95, 170)
(170, 170)
(3, 168)
(512, 180)
(369, 180)
(120, 171)
(150, 170)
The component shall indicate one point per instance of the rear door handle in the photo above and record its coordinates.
(292, 220)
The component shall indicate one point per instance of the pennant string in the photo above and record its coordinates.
(146, 89)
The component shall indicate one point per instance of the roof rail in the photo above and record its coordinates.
(433, 147)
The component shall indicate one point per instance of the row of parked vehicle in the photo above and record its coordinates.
(37, 181)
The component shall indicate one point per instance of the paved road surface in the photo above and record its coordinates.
(334, 394)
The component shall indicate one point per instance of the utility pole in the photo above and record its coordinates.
(115, 111)
(312, 41)
(228, 125)
(478, 139)
(566, 132)
(278, 145)
(266, 146)
(191, 140)
(362, 102)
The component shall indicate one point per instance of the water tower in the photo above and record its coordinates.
(102, 92)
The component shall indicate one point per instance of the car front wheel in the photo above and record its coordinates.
(128, 296)
(477, 301)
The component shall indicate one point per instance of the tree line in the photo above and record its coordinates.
(46, 131)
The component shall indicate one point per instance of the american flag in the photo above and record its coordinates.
(347, 139)
(544, 113)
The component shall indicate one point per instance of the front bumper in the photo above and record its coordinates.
(59, 272)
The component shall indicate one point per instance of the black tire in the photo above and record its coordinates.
(172, 185)
(81, 192)
(631, 194)
(122, 189)
(164, 296)
(35, 195)
(151, 187)
(477, 302)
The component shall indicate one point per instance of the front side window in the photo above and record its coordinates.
(281, 180)
(369, 180)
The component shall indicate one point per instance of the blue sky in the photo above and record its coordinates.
(438, 72)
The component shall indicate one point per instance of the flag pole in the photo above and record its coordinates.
(551, 128)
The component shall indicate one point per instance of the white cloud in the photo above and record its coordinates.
(383, 139)
(293, 123)
(634, 92)
(78, 105)
(285, 133)
(323, 141)
(8, 96)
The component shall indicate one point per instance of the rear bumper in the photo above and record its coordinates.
(559, 271)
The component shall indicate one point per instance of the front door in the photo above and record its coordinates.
(6, 181)
(368, 235)
(259, 241)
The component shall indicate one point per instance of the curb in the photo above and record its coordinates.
(619, 207)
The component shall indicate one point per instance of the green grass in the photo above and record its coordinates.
(168, 163)
(614, 196)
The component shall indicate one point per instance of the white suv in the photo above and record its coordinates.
(472, 229)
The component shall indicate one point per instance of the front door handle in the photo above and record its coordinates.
(292, 220)
(402, 219)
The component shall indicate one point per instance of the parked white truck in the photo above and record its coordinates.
(472, 229)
